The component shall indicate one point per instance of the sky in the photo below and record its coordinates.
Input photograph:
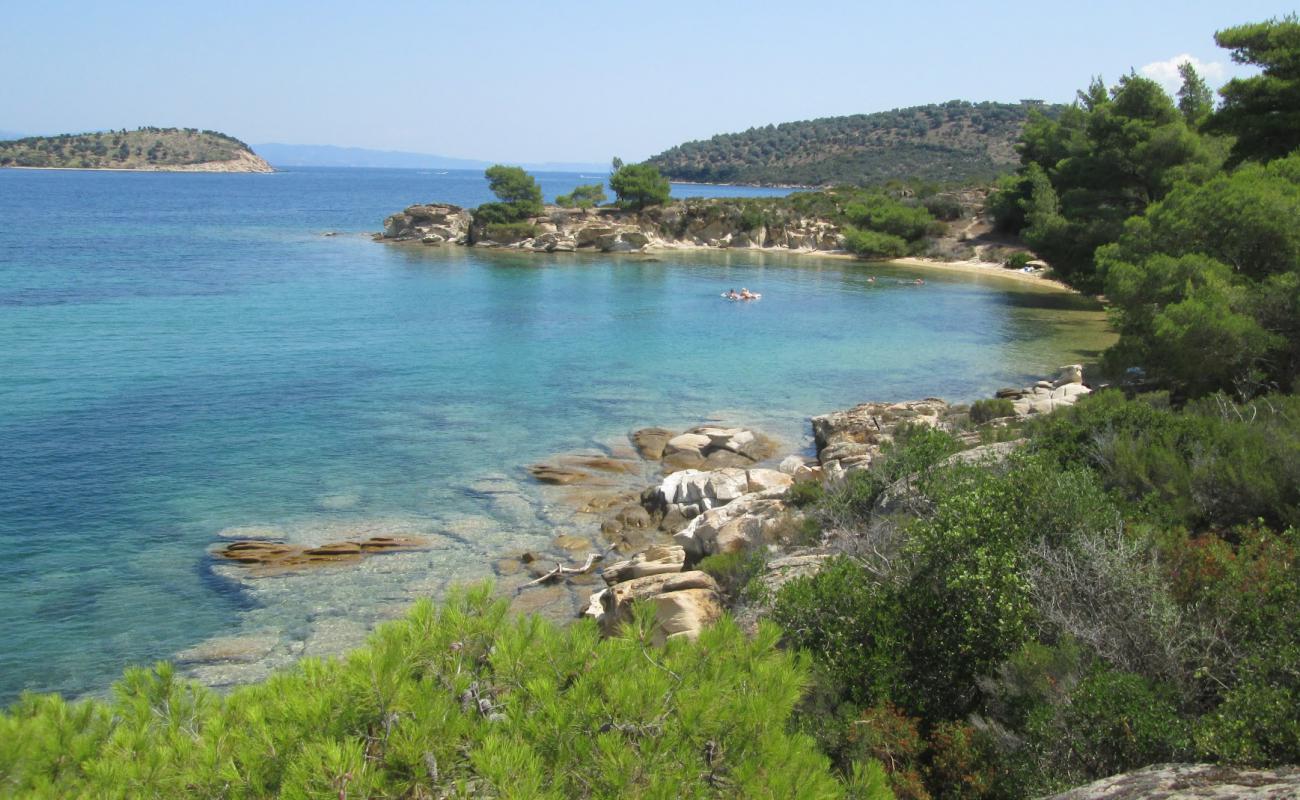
(566, 80)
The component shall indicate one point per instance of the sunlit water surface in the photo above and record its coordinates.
(182, 355)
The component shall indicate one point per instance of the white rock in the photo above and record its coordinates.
(657, 560)
(762, 480)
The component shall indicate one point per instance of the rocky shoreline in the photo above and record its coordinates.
(699, 224)
(645, 515)
(713, 224)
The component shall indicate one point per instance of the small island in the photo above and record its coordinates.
(145, 149)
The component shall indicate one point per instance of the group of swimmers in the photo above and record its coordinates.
(917, 282)
(745, 294)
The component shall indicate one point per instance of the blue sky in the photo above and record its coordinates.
(563, 80)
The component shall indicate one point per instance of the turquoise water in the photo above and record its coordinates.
(186, 354)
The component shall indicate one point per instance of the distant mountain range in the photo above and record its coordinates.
(324, 155)
(954, 142)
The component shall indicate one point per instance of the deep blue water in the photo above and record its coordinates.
(183, 354)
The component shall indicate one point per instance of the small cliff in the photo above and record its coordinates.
(692, 223)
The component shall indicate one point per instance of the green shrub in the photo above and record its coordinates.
(1214, 465)
(968, 601)
(805, 493)
(734, 572)
(982, 411)
(849, 623)
(1257, 722)
(462, 700)
(1113, 722)
(871, 244)
(509, 232)
(1017, 260)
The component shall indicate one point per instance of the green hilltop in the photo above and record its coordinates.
(145, 148)
(953, 142)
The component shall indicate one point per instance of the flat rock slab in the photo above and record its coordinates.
(267, 558)
(1188, 781)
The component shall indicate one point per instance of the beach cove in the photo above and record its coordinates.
(193, 362)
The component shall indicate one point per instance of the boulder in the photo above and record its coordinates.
(704, 534)
(684, 613)
(651, 442)
(658, 560)
(612, 607)
(762, 480)
(690, 443)
(1070, 374)
(1188, 781)
(706, 489)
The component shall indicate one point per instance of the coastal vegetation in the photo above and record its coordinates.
(1113, 594)
(1190, 233)
(142, 148)
(951, 143)
(1006, 604)
(638, 185)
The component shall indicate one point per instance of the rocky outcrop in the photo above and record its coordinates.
(1189, 781)
(1044, 397)
(708, 447)
(430, 224)
(713, 223)
(850, 439)
(749, 521)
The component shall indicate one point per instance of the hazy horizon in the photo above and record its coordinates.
(568, 83)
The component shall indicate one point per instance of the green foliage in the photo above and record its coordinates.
(982, 411)
(509, 232)
(805, 493)
(459, 701)
(951, 143)
(1112, 722)
(883, 214)
(1204, 285)
(1100, 162)
(519, 196)
(871, 244)
(1257, 721)
(1017, 260)
(639, 185)
(735, 572)
(1195, 100)
(1215, 465)
(850, 623)
(1261, 111)
(587, 196)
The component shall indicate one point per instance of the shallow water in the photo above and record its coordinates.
(187, 354)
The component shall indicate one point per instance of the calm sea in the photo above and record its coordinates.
(182, 355)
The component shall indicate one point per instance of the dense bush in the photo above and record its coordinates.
(982, 411)
(873, 244)
(1112, 722)
(459, 701)
(1216, 464)
(586, 196)
(850, 623)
